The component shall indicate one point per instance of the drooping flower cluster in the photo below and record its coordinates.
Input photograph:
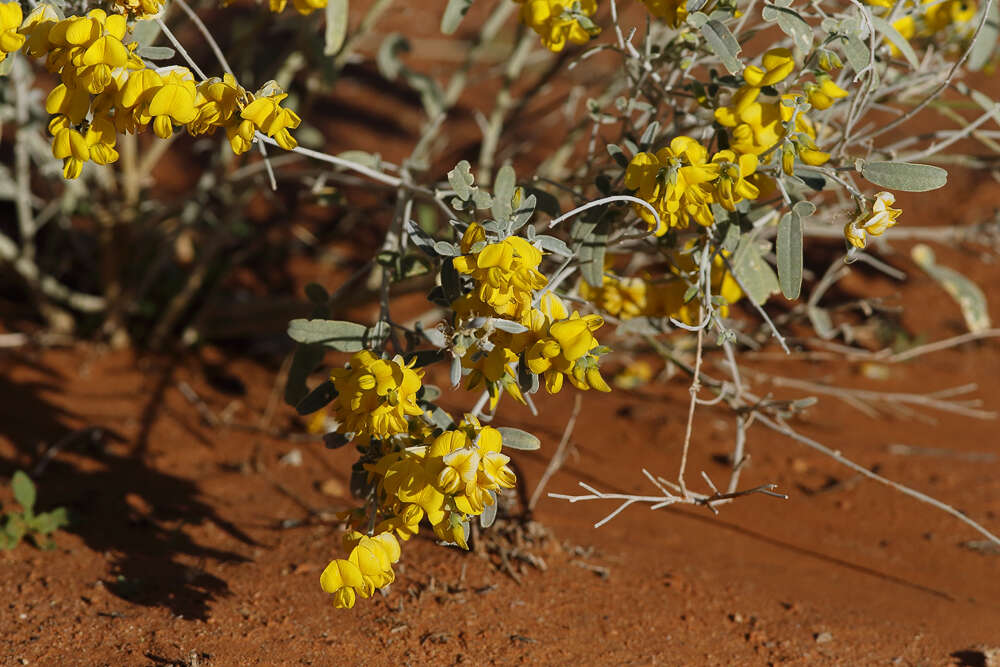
(374, 396)
(505, 275)
(105, 89)
(367, 568)
(681, 183)
(881, 218)
(559, 22)
(505, 284)
(446, 477)
(776, 127)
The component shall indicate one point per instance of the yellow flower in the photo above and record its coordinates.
(342, 578)
(674, 12)
(823, 94)
(173, 102)
(882, 217)
(560, 21)
(676, 182)
(376, 395)
(732, 185)
(568, 348)
(267, 115)
(623, 298)
(778, 64)
(505, 275)
(10, 23)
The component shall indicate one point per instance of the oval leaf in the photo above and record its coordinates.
(789, 251)
(723, 44)
(515, 438)
(905, 176)
(336, 26)
(342, 336)
(24, 490)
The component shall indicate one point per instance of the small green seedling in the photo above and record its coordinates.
(17, 525)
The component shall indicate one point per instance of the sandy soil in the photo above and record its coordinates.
(196, 540)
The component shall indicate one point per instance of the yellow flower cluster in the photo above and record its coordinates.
(682, 183)
(564, 347)
(560, 21)
(882, 217)
(762, 127)
(368, 567)
(505, 273)
(138, 9)
(626, 298)
(929, 17)
(674, 12)
(107, 90)
(374, 396)
(447, 481)
(506, 279)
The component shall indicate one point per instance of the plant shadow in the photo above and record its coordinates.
(119, 503)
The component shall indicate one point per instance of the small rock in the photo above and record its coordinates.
(292, 458)
(824, 638)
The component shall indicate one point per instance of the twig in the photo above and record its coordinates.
(784, 429)
(557, 459)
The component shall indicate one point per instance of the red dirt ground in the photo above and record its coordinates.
(193, 544)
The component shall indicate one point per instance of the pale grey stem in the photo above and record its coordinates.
(560, 455)
(905, 490)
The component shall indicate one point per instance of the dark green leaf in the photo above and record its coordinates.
(317, 399)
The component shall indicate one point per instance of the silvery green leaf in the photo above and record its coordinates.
(482, 199)
(821, 322)
(731, 240)
(754, 273)
(456, 371)
(24, 490)
(336, 26)
(722, 43)
(905, 176)
(789, 253)
(446, 249)
(437, 416)
(378, 334)
(387, 58)
(615, 151)
(804, 208)
(966, 293)
(697, 19)
(317, 399)
(503, 193)
(420, 238)
(591, 236)
(453, 15)
(890, 33)
(509, 326)
(340, 335)
(649, 135)
(522, 215)
(986, 42)
(791, 24)
(145, 32)
(515, 438)
(489, 514)
(156, 52)
(858, 55)
(461, 179)
(553, 244)
(429, 392)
